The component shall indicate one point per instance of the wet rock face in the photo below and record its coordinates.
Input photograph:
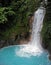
(2, 43)
(23, 38)
(50, 57)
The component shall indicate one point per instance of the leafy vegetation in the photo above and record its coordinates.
(14, 16)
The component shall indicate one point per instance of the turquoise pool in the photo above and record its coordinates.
(9, 57)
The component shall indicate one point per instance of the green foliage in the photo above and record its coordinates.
(3, 14)
(14, 16)
(46, 30)
(46, 35)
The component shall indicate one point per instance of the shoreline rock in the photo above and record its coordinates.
(50, 57)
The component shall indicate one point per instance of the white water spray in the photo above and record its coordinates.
(37, 27)
(34, 47)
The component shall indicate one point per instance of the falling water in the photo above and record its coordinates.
(29, 54)
(37, 27)
(34, 47)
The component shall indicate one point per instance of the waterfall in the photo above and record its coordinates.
(34, 47)
(37, 26)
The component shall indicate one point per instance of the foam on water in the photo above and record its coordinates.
(34, 47)
(8, 57)
(28, 51)
(29, 54)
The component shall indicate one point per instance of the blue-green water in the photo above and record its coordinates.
(9, 57)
